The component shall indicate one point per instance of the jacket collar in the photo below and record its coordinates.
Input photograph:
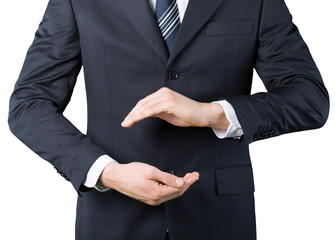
(142, 17)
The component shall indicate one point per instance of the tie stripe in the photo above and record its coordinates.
(167, 15)
(174, 24)
(172, 4)
(168, 20)
(171, 20)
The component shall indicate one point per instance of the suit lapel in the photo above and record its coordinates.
(196, 15)
(141, 15)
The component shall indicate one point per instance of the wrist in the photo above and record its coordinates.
(217, 117)
(108, 174)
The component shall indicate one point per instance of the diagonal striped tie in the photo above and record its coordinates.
(168, 20)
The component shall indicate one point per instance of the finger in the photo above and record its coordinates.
(145, 105)
(163, 91)
(168, 192)
(168, 179)
(191, 178)
(144, 109)
(141, 102)
(155, 98)
(160, 96)
(188, 179)
(147, 111)
(187, 175)
(157, 108)
(126, 120)
(149, 98)
(154, 111)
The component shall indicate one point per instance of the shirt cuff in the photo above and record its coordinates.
(234, 130)
(96, 169)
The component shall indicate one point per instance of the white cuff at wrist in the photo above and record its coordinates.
(234, 130)
(95, 171)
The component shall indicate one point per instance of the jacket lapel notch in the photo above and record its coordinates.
(141, 16)
(196, 15)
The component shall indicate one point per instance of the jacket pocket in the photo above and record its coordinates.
(230, 27)
(234, 179)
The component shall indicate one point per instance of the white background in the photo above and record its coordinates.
(294, 173)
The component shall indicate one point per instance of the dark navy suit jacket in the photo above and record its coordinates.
(124, 58)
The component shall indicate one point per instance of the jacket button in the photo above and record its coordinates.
(173, 75)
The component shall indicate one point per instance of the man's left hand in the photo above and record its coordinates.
(178, 110)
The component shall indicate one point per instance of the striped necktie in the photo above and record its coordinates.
(168, 20)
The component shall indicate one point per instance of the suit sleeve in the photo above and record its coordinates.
(42, 92)
(296, 98)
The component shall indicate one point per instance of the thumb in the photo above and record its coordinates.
(168, 179)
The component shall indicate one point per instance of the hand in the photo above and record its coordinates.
(143, 182)
(178, 110)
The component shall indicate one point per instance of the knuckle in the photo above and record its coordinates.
(154, 202)
(151, 171)
(155, 198)
(159, 193)
(151, 202)
(164, 89)
(172, 181)
(156, 195)
(142, 113)
(204, 122)
(167, 97)
(168, 104)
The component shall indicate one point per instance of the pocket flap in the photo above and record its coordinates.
(234, 179)
(230, 27)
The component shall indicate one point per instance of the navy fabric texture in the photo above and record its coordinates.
(124, 58)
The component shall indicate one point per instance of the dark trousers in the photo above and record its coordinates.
(166, 236)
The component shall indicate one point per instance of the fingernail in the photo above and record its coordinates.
(124, 122)
(179, 182)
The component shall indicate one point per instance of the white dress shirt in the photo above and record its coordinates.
(234, 130)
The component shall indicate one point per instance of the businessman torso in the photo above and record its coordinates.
(124, 57)
(126, 60)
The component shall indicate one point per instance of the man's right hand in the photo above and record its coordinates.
(143, 182)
